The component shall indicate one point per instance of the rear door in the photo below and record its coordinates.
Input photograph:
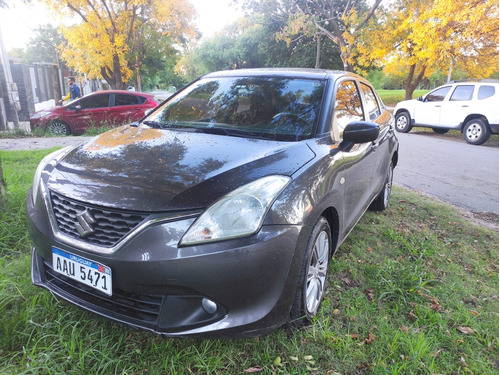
(376, 113)
(127, 108)
(457, 107)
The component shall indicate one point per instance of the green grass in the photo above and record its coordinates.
(392, 97)
(413, 290)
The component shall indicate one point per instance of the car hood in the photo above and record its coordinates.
(144, 169)
(407, 104)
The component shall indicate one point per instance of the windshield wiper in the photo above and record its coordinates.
(153, 124)
(233, 132)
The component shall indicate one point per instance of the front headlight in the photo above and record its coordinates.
(51, 159)
(40, 114)
(237, 214)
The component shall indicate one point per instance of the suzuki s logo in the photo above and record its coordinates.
(85, 219)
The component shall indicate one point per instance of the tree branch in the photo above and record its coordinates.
(77, 11)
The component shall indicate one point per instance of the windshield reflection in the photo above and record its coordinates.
(260, 107)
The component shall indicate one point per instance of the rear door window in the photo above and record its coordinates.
(124, 99)
(372, 107)
(462, 93)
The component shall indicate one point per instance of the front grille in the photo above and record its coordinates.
(107, 226)
(143, 308)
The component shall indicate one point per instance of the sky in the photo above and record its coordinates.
(17, 24)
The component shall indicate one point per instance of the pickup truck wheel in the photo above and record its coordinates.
(440, 130)
(403, 122)
(312, 281)
(476, 132)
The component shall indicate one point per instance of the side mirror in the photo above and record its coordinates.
(420, 98)
(361, 132)
(357, 132)
(78, 108)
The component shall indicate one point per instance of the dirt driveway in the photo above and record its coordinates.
(39, 143)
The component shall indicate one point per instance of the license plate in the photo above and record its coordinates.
(85, 271)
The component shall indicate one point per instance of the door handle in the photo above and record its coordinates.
(438, 106)
(374, 146)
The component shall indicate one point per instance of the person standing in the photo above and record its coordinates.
(74, 90)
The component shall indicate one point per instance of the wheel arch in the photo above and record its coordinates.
(332, 216)
(474, 116)
(400, 110)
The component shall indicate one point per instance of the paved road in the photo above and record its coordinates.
(450, 169)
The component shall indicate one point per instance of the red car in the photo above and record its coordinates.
(113, 107)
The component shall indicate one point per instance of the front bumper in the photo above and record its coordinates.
(161, 287)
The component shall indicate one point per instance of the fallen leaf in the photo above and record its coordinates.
(369, 293)
(277, 361)
(347, 281)
(474, 312)
(412, 316)
(296, 359)
(404, 328)
(336, 312)
(462, 359)
(466, 330)
(254, 369)
(437, 353)
(371, 338)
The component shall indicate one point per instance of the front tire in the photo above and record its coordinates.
(403, 122)
(312, 281)
(476, 132)
(58, 127)
(382, 201)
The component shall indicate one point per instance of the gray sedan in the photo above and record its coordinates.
(218, 213)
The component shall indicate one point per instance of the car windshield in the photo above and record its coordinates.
(257, 107)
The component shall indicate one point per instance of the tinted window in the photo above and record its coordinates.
(486, 92)
(372, 107)
(279, 108)
(347, 104)
(462, 92)
(95, 101)
(438, 95)
(123, 99)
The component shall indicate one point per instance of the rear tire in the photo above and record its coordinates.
(312, 281)
(403, 122)
(382, 201)
(476, 132)
(58, 127)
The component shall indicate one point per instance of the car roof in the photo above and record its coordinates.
(119, 92)
(282, 72)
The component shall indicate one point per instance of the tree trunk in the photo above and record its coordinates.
(113, 76)
(410, 83)
(318, 51)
